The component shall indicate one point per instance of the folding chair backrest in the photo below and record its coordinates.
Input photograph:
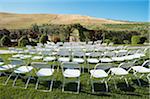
(41, 65)
(95, 54)
(77, 49)
(64, 53)
(146, 63)
(45, 53)
(17, 62)
(78, 54)
(70, 65)
(126, 65)
(119, 54)
(104, 66)
(131, 52)
(109, 54)
(32, 51)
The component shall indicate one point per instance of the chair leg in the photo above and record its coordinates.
(8, 79)
(78, 88)
(92, 86)
(83, 68)
(126, 82)
(26, 85)
(137, 79)
(14, 82)
(37, 83)
(58, 67)
(148, 78)
(115, 83)
(106, 85)
(63, 86)
(51, 85)
(88, 67)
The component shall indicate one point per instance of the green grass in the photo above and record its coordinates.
(134, 91)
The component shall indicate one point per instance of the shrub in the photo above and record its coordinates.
(5, 41)
(142, 40)
(107, 41)
(135, 40)
(117, 40)
(126, 41)
(33, 43)
(43, 39)
(23, 41)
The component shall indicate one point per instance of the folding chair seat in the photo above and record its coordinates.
(25, 56)
(37, 57)
(119, 71)
(119, 57)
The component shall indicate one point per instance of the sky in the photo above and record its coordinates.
(127, 10)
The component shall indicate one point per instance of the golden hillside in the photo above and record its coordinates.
(15, 21)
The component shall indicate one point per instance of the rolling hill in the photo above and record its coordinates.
(16, 21)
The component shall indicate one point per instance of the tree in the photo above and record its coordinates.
(23, 41)
(5, 41)
(135, 40)
(35, 28)
(43, 39)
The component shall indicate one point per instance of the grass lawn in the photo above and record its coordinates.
(123, 92)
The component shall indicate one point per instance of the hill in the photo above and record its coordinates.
(16, 21)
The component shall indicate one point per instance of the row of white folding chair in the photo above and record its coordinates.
(99, 72)
(41, 69)
(72, 69)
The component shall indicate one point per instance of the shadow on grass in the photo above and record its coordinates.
(100, 90)
(124, 90)
(143, 82)
(123, 87)
(71, 87)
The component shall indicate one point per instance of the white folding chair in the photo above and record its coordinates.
(14, 63)
(93, 58)
(71, 70)
(79, 57)
(64, 56)
(48, 56)
(100, 74)
(22, 70)
(106, 57)
(44, 72)
(120, 72)
(140, 71)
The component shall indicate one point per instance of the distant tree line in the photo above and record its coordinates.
(35, 34)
